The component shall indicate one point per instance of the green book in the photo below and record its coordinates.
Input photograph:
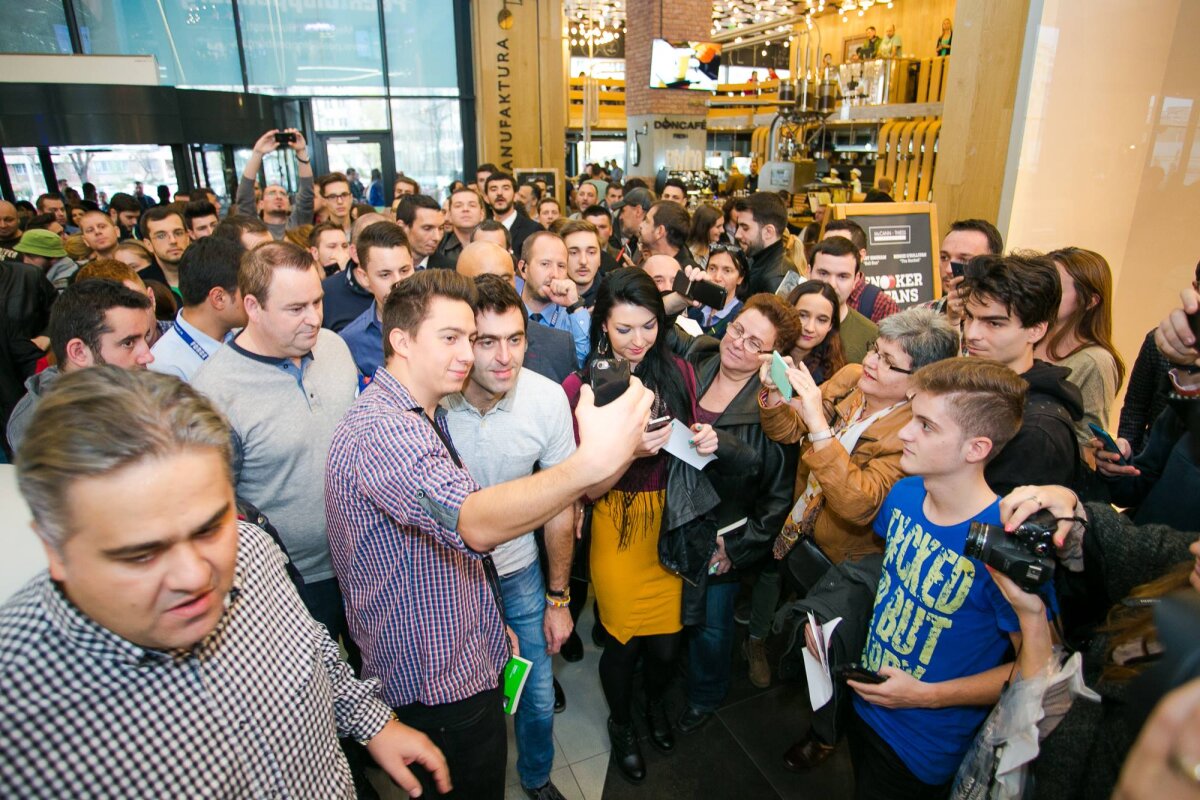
(516, 672)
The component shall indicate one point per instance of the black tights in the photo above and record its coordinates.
(617, 665)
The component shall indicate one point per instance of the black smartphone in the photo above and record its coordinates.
(1109, 443)
(958, 269)
(609, 379)
(703, 292)
(857, 672)
(285, 137)
(658, 424)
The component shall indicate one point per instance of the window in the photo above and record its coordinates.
(349, 114)
(312, 48)
(116, 168)
(34, 26)
(428, 140)
(421, 47)
(195, 43)
(25, 172)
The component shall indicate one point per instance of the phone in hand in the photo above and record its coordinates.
(609, 380)
(857, 672)
(703, 292)
(1194, 324)
(285, 138)
(1109, 443)
(958, 269)
(658, 424)
(779, 375)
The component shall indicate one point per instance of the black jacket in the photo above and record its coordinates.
(550, 352)
(27, 296)
(767, 268)
(522, 228)
(1045, 450)
(447, 252)
(1167, 492)
(761, 491)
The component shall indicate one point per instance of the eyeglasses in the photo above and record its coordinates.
(162, 236)
(751, 345)
(337, 198)
(873, 349)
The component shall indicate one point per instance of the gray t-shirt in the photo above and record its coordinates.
(302, 205)
(283, 419)
(531, 427)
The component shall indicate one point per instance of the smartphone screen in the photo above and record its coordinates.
(779, 370)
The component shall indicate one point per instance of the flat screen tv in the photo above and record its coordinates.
(685, 65)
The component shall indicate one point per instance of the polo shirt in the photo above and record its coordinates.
(283, 417)
(530, 427)
(182, 349)
(364, 337)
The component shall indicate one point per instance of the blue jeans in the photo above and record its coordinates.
(524, 594)
(710, 648)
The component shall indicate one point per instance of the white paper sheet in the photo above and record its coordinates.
(678, 446)
(689, 325)
(816, 665)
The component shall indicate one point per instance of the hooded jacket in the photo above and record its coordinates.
(36, 386)
(767, 268)
(1045, 450)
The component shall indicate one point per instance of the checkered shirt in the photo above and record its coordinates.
(418, 600)
(252, 711)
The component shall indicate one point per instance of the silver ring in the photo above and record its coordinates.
(1189, 769)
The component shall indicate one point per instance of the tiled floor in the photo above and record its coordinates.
(737, 755)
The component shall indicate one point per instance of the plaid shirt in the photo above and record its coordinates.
(884, 305)
(252, 711)
(418, 600)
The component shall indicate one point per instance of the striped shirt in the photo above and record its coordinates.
(418, 599)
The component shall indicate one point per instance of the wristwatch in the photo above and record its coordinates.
(571, 309)
(822, 436)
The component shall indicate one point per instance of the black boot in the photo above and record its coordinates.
(661, 735)
(626, 752)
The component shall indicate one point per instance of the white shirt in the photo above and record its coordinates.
(174, 356)
(508, 221)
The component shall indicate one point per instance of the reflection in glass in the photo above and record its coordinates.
(421, 47)
(25, 172)
(312, 48)
(195, 43)
(428, 142)
(349, 114)
(34, 26)
(116, 167)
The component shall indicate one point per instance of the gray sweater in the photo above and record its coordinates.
(302, 205)
(282, 429)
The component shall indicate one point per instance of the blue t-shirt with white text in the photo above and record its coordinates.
(938, 616)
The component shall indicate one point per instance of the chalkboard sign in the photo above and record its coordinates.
(549, 175)
(902, 248)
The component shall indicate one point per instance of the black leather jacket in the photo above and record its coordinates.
(759, 489)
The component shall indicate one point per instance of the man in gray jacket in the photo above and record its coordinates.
(276, 208)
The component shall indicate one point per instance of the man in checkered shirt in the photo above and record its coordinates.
(166, 653)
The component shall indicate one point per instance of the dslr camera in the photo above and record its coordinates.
(1026, 555)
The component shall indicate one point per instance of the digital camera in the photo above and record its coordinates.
(1026, 555)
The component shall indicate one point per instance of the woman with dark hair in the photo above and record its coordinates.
(819, 345)
(1081, 338)
(639, 600)
(708, 224)
(726, 267)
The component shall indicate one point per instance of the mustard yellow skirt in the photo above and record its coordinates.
(637, 597)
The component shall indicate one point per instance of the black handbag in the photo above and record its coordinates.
(806, 563)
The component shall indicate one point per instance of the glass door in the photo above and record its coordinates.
(369, 155)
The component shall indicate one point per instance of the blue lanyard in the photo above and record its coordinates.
(189, 341)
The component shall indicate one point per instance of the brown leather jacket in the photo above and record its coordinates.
(854, 484)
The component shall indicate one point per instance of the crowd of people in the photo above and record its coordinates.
(308, 475)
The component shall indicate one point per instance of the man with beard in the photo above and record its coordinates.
(276, 208)
(10, 231)
(164, 232)
(501, 194)
(551, 298)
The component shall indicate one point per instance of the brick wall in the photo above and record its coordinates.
(682, 20)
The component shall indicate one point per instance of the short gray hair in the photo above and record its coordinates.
(101, 419)
(924, 334)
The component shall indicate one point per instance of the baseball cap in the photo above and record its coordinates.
(40, 243)
(636, 197)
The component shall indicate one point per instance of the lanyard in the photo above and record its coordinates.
(189, 341)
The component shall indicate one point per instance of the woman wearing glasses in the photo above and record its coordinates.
(726, 267)
(754, 501)
(848, 430)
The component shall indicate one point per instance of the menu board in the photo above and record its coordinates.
(902, 254)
